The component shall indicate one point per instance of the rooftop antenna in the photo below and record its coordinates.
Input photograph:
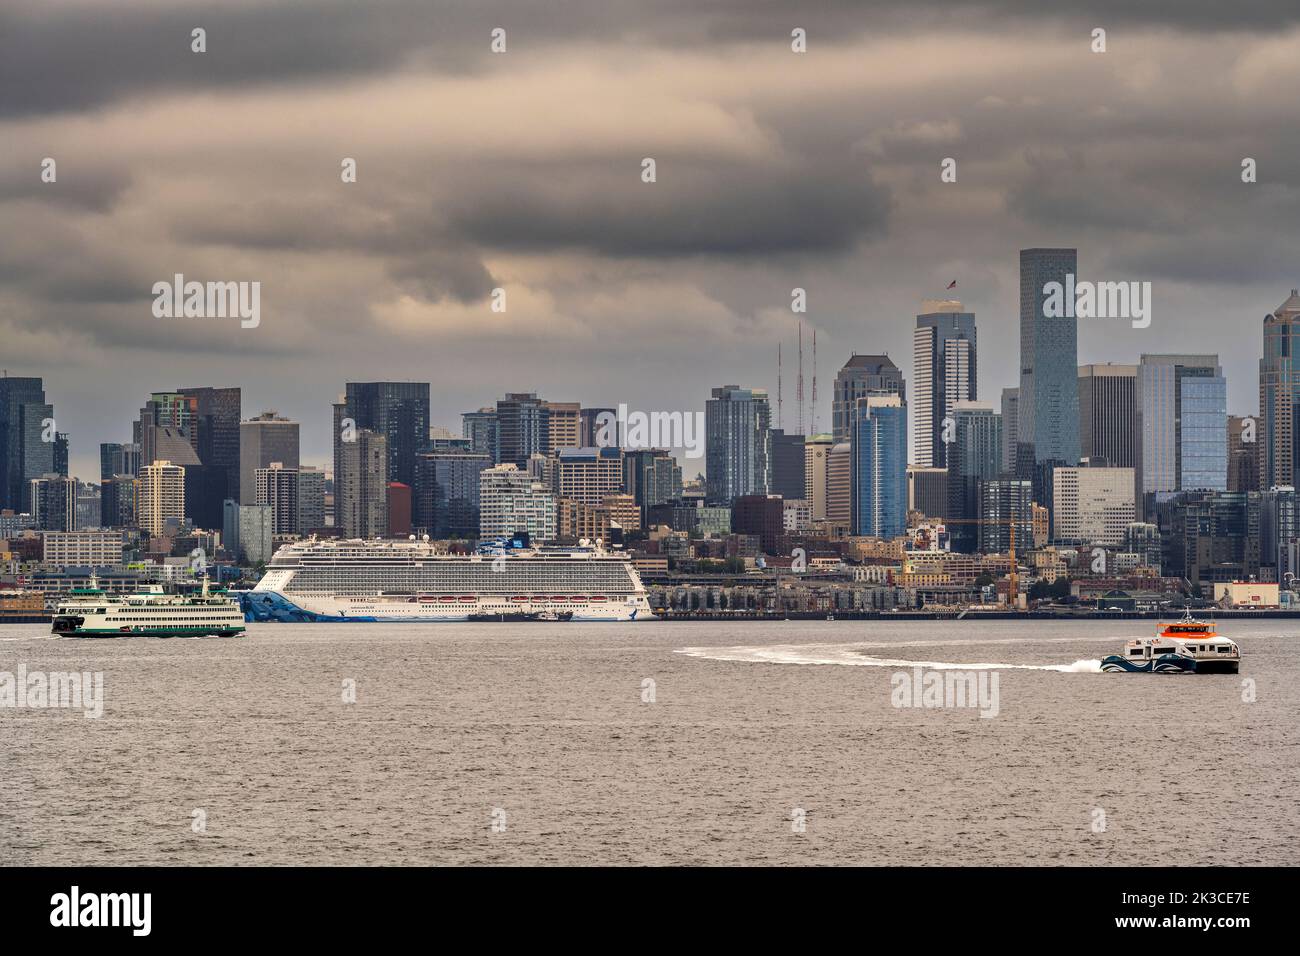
(814, 383)
(798, 389)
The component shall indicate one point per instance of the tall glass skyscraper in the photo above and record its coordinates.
(861, 376)
(878, 456)
(974, 455)
(1182, 423)
(24, 452)
(737, 443)
(1048, 410)
(943, 363)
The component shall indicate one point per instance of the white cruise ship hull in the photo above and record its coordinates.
(399, 581)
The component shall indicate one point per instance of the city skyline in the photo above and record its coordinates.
(464, 186)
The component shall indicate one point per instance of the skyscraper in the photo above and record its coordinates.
(1048, 412)
(651, 476)
(943, 362)
(166, 429)
(1010, 428)
(510, 501)
(817, 453)
(445, 500)
(482, 430)
(161, 491)
(1182, 424)
(1108, 414)
(277, 487)
(25, 450)
(1243, 453)
(400, 412)
(738, 443)
(217, 414)
(262, 440)
(974, 455)
(878, 461)
(788, 465)
(861, 375)
(361, 485)
(1279, 395)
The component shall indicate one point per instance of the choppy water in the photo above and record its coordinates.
(546, 725)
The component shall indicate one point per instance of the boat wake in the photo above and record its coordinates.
(855, 655)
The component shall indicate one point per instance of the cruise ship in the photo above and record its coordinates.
(89, 612)
(412, 580)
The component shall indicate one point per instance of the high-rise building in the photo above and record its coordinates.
(445, 502)
(265, 439)
(839, 486)
(860, 376)
(277, 488)
(1243, 453)
(788, 464)
(26, 439)
(167, 430)
(1279, 531)
(205, 490)
(760, 515)
(61, 454)
(737, 443)
(54, 502)
(1094, 506)
(943, 362)
(521, 423)
(483, 431)
(974, 455)
(361, 485)
(117, 497)
(161, 497)
(311, 499)
(1279, 396)
(1005, 502)
(878, 456)
(399, 411)
(816, 456)
(600, 427)
(510, 501)
(588, 475)
(1182, 423)
(1210, 536)
(651, 476)
(217, 433)
(399, 509)
(927, 491)
(1108, 414)
(1048, 412)
(1010, 428)
(563, 426)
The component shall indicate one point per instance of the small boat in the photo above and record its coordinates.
(517, 617)
(1188, 646)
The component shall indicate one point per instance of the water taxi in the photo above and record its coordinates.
(1188, 646)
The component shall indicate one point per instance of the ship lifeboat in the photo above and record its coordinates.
(467, 599)
(520, 599)
(578, 597)
(446, 598)
(598, 597)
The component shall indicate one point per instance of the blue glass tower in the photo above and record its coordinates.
(1048, 411)
(878, 455)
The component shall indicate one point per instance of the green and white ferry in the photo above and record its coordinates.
(89, 612)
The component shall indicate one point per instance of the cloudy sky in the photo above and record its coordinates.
(522, 170)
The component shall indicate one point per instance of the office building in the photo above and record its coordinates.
(262, 440)
(651, 476)
(1182, 424)
(1007, 503)
(26, 439)
(862, 375)
(816, 456)
(82, 549)
(1243, 453)
(311, 500)
(878, 461)
(217, 438)
(1108, 414)
(944, 373)
(761, 515)
(588, 475)
(510, 501)
(737, 443)
(398, 411)
(361, 485)
(54, 502)
(1048, 408)
(445, 499)
(1279, 395)
(277, 488)
(927, 491)
(160, 497)
(1010, 429)
(1094, 506)
(974, 455)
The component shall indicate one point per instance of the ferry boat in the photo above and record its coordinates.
(413, 580)
(1188, 646)
(89, 612)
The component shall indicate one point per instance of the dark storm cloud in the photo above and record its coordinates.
(692, 209)
(81, 54)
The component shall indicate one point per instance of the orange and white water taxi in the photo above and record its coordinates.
(1187, 646)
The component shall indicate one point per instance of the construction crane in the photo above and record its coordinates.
(1013, 591)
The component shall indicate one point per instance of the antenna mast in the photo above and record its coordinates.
(814, 382)
(798, 389)
(780, 422)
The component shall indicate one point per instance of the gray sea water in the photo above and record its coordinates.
(756, 743)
